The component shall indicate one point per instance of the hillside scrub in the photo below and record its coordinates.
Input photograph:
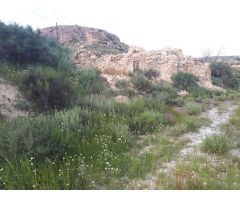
(184, 81)
(23, 46)
(49, 89)
(223, 76)
(79, 136)
(189, 82)
(98, 138)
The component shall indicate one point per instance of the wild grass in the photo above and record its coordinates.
(199, 174)
(96, 143)
(193, 108)
(216, 144)
(10, 73)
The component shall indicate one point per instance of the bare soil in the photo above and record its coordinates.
(9, 95)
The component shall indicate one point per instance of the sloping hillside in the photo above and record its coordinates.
(9, 95)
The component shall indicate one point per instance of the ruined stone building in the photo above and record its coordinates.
(99, 49)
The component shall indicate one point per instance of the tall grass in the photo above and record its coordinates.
(216, 144)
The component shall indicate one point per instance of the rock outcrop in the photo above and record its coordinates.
(104, 51)
(97, 41)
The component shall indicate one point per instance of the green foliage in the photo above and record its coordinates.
(142, 84)
(122, 84)
(193, 108)
(49, 89)
(186, 81)
(200, 92)
(47, 135)
(10, 73)
(90, 81)
(183, 80)
(125, 89)
(217, 144)
(222, 75)
(151, 73)
(146, 122)
(22, 46)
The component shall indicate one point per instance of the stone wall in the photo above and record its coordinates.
(99, 49)
(167, 62)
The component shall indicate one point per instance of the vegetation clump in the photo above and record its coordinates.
(184, 81)
(49, 89)
(23, 46)
(217, 144)
(223, 76)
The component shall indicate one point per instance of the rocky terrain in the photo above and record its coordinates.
(102, 50)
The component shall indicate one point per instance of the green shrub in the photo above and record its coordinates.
(193, 108)
(90, 81)
(122, 84)
(47, 135)
(183, 80)
(22, 46)
(120, 130)
(146, 122)
(134, 107)
(142, 84)
(24, 105)
(151, 73)
(49, 89)
(10, 73)
(222, 75)
(217, 144)
(124, 88)
(198, 91)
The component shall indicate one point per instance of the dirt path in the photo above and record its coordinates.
(195, 139)
(9, 95)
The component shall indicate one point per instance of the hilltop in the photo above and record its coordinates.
(96, 40)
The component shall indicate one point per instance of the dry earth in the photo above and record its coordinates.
(9, 95)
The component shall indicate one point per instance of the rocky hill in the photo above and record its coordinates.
(95, 40)
(102, 50)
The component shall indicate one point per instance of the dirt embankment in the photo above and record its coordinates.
(9, 96)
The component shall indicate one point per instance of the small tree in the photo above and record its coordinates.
(151, 73)
(183, 80)
(222, 75)
(48, 89)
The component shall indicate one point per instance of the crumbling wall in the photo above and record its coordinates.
(99, 49)
(167, 62)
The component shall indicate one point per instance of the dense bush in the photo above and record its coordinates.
(47, 134)
(200, 92)
(193, 108)
(151, 73)
(49, 89)
(186, 81)
(89, 81)
(146, 122)
(22, 46)
(183, 80)
(217, 144)
(142, 84)
(122, 84)
(124, 88)
(222, 75)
